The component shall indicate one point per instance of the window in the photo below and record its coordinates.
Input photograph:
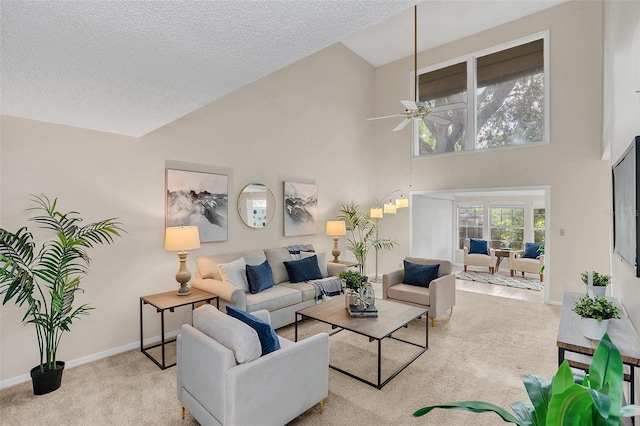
(538, 225)
(506, 225)
(470, 223)
(508, 100)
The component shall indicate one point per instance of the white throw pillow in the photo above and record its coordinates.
(235, 273)
(322, 261)
(230, 332)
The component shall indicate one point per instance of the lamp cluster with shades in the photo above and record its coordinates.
(181, 239)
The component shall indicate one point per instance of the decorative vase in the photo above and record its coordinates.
(46, 381)
(367, 295)
(592, 328)
(350, 298)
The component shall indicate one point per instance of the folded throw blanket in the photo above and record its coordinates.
(327, 287)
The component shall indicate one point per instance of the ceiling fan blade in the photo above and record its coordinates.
(437, 120)
(386, 116)
(409, 104)
(401, 125)
(447, 107)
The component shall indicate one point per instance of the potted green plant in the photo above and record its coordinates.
(599, 281)
(46, 279)
(353, 281)
(568, 398)
(363, 234)
(595, 313)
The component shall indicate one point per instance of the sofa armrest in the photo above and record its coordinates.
(298, 374)
(442, 294)
(228, 292)
(390, 279)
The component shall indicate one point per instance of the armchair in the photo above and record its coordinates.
(439, 296)
(476, 253)
(237, 386)
(528, 260)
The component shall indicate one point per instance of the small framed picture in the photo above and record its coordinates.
(300, 209)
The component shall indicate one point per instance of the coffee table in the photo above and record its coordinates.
(391, 317)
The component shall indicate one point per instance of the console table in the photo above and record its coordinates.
(577, 349)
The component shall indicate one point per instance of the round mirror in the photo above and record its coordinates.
(256, 205)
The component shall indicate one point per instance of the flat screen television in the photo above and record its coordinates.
(626, 224)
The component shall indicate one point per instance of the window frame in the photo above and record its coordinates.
(535, 207)
(468, 206)
(506, 205)
(471, 131)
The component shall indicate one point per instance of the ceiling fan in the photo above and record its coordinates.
(416, 110)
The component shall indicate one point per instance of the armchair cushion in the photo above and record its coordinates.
(531, 250)
(234, 335)
(235, 272)
(303, 270)
(268, 338)
(259, 277)
(419, 275)
(478, 246)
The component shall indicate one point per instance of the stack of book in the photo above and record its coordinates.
(360, 311)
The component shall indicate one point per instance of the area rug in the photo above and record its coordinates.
(485, 277)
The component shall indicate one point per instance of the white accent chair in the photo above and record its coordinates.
(480, 259)
(439, 297)
(271, 389)
(524, 264)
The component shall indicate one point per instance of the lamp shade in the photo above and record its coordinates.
(390, 208)
(375, 212)
(336, 227)
(402, 202)
(181, 238)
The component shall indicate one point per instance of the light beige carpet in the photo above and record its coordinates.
(478, 353)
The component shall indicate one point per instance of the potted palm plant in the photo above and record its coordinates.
(46, 280)
(568, 398)
(363, 234)
(595, 314)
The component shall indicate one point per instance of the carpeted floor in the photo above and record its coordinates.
(528, 283)
(477, 353)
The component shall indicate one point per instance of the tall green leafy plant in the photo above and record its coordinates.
(363, 234)
(580, 399)
(46, 280)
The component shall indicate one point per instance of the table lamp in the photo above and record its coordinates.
(336, 228)
(181, 239)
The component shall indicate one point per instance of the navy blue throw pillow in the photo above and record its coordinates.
(259, 277)
(303, 270)
(267, 335)
(478, 246)
(531, 250)
(420, 275)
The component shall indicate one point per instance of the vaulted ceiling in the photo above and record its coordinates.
(129, 67)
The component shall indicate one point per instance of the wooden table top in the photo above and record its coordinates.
(620, 332)
(391, 316)
(170, 299)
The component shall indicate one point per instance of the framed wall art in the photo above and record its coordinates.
(198, 199)
(300, 209)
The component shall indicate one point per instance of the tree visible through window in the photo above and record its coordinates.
(539, 221)
(510, 101)
(506, 225)
(470, 223)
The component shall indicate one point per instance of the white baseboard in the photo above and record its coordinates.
(89, 358)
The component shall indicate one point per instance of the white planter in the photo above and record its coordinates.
(593, 329)
(599, 290)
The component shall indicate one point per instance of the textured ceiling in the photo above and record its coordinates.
(129, 67)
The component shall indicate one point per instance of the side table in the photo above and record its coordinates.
(169, 300)
(500, 253)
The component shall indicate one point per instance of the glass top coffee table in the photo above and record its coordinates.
(391, 317)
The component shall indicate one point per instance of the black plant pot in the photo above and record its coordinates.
(47, 381)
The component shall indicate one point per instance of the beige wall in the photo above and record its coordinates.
(305, 122)
(622, 118)
(571, 165)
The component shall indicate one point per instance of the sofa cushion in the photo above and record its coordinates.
(322, 261)
(308, 290)
(478, 246)
(208, 265)
(531, 251)
(268, 338)
(303, 270)
(259, 277)
(235, 272)
(420, 275)
(409, 293)
(231, 333)
(274, 298)
(276, 258)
